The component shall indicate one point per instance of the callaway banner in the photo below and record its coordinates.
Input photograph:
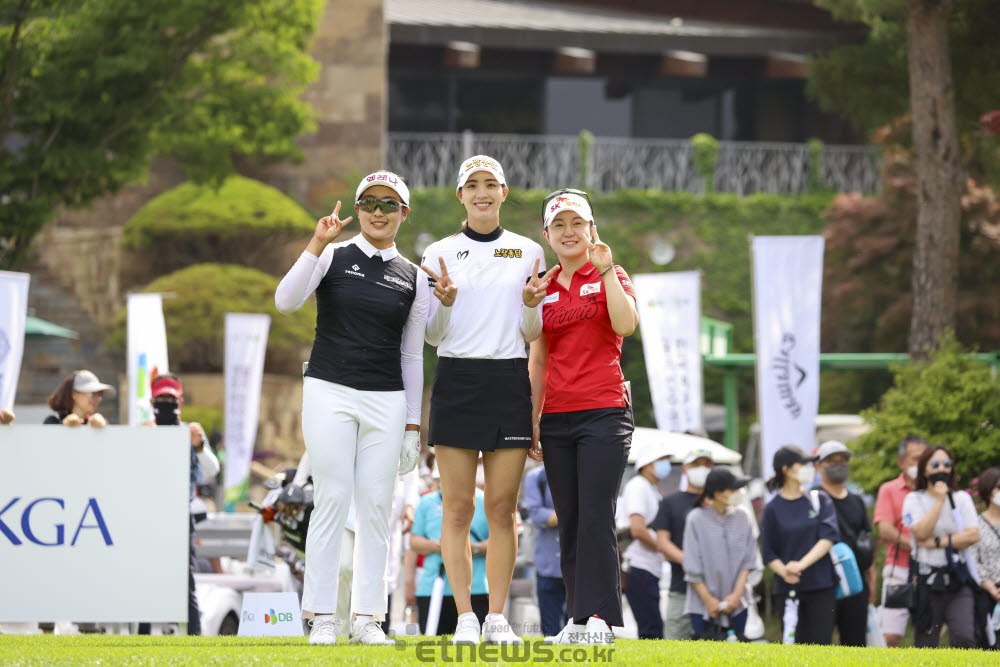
(787, 283)
(246, 343)
(94, 524)
(147, 349)
(13, 312)
(669, 306)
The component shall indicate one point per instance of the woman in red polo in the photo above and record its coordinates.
(582, 411)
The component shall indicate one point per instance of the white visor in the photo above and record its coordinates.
(389, 180)
(567, 202)
(480, 163)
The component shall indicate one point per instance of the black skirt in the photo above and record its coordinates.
(481, 404)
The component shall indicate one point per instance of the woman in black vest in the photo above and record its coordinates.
(361, 396)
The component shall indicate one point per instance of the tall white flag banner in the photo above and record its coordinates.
(787, 288)
(147, 350)
(246, 343)
(13, 313)
(669, 306)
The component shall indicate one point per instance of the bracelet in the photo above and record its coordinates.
(606, 270)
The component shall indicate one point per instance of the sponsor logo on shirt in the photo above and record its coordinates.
(552, 298)
(507, 253)
(355, 271)
(518, 437)
(462, 254)
(398, 281)
(592, 288)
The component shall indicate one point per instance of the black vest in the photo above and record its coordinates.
(361, 308)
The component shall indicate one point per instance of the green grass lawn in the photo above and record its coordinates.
(134, 650)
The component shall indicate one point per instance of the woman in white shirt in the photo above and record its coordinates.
(361, 397)
(943, 523)
(488, 287)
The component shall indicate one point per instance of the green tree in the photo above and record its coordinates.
(92, 90)
(925, 27)
(952, 400)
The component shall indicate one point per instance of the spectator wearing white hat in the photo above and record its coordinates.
(669, 527)
(643, 557)
(582, 410)
(487, 292)
(76, 399)
(361, 396)
(851, 616)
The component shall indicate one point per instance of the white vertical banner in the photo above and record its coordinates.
(669, 306)
(13, 314)
(147, 350)
(246, 343)
(787, 291)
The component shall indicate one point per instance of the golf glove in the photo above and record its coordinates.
(409, 456)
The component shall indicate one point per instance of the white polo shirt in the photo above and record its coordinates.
(488, 319)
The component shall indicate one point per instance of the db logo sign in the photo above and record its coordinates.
(274, 618)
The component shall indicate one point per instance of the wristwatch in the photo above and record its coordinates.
(937, 541)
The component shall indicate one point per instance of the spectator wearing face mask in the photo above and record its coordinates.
(944, 525)
(669, 527)
(988, 547)
(795, 539)
(720, 551)
(851, 618)
(643, 557)
(889, 519)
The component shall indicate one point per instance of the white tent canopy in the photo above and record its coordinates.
(677, 445)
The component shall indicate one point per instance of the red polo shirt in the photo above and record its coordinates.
(585, 372)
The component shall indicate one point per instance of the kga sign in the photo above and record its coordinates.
(56, 532)
(94, 525)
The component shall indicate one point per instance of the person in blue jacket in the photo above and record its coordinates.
(541, 512)
(795, 541)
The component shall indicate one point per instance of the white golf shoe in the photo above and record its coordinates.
(466, 630)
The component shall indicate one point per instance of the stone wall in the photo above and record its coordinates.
(352, 46)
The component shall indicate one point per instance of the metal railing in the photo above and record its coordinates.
(549, 162)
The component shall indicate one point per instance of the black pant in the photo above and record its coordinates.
(551, 603)
(585, 457)
(449, 612)
(957, 610)
(851, 619)
(816, 613)
(643, 592)
(194, 613)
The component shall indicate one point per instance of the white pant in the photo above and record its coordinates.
(353, 438)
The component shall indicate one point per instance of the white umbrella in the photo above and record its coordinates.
(677, 445)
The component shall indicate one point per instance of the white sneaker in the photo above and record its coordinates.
(496, 630)
(598, 633)
(369, 631)
(466, 630)
(571, 634)
(324, 629)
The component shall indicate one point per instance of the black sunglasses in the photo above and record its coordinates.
(565, 191)
(369, 204)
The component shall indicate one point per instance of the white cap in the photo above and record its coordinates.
(87, 382)
(390, 180)
(698, 453)
(480, 163)
(831, 447)
(653, 451)
(567, 202)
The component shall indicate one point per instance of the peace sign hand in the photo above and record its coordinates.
(534, 291)
(444, 289)
(328, 228)
(599, 253)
